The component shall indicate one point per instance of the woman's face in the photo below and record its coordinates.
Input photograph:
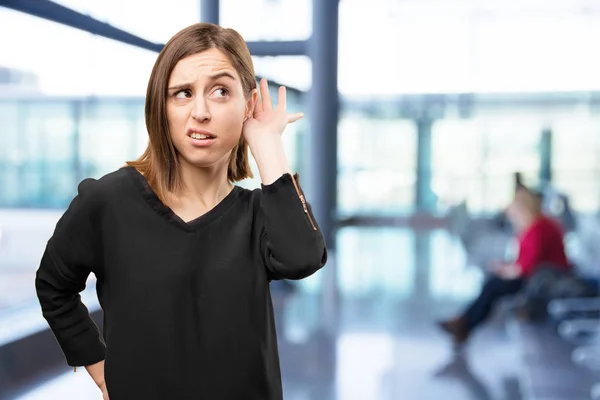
(206, 108)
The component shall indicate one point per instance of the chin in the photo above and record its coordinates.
(206, 161)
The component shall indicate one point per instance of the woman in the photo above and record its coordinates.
(540, 243)
(183, 257)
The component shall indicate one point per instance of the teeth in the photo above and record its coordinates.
(199, 136)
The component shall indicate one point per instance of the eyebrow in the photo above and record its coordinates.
(214, 77)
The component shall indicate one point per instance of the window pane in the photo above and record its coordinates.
(49, 146)
(11, 156)
(377, 166)
(456, 160)
(39, 158)
(475, 160)
(576, 163)
(111, 133)
(48, 149)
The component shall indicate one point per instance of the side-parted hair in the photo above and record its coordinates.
(160, 163)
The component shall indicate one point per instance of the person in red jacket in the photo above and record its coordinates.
(540, 243)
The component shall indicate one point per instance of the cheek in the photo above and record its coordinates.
(232, 129)
(230, 120)
(177, 119)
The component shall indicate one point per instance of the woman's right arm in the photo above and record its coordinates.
(72, 253)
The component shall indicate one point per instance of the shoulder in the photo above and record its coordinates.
(545, 227)
(250, 196)
(93, 193)
(113, 180)
(106, 184)
(282, 185)
(87, 206)
(551, 226)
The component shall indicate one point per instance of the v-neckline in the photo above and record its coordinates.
(167, 213)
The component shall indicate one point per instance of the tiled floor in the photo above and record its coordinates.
(365, 330)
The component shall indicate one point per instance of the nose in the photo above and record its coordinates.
(200, 110)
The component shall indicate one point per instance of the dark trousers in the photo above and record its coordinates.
(493, 290)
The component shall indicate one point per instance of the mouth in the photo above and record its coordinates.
(201, 139)
(201, 135)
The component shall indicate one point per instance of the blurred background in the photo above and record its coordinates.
(418, 116)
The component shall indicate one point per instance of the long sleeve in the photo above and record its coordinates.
(292, 245)
(72, 253)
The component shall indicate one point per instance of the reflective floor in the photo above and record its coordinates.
(363, 328)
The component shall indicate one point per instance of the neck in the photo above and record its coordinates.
(207, 186)
(529, 220)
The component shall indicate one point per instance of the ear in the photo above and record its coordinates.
(251, 103)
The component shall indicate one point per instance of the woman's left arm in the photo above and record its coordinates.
(292, 245)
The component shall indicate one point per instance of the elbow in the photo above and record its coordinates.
(52, 299)
(47, 295)
(294, 258)
(306, 265)
(42, 286)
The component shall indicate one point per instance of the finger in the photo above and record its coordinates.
(258, 107)
(267, 104)
(295, 117)
(281, 99)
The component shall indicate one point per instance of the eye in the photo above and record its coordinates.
(221, 92)
(182, 94)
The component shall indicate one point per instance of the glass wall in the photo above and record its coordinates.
(576, 160)
(50, 145)
(476, 148)
(475, 159)
(39, 154)
(376, 165)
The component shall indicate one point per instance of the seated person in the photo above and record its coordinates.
(540, 243)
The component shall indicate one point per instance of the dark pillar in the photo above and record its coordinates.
(546, 157)
(278, 48)
(422, 291)
(209, 11)
(323, 111)
(425, 198)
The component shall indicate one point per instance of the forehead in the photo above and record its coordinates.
(201, 65)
